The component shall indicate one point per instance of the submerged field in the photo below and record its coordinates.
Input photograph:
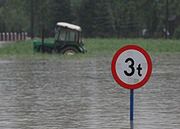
(81, 94)
(95, 47)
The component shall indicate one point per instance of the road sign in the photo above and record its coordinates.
(131, 67)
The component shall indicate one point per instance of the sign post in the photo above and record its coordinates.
(131, 68)
(131, 105)
(131, 108)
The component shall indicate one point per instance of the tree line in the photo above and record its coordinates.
(98, 18)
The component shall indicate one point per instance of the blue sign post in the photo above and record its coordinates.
(132, 108)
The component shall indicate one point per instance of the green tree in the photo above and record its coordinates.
(12, 16)
(61, 11)
(86, 16)
(97, 19)
(104, 20)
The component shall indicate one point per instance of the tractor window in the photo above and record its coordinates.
(71, 36)
(68, 35)
(56, 35)
(62, 35)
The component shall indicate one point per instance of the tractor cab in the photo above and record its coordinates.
(68, 38)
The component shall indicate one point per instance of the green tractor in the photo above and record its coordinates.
(68, 40)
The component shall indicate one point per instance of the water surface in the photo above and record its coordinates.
(81, 94)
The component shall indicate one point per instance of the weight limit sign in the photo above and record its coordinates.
(131, 67)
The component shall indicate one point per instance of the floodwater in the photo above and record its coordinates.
(81, 94)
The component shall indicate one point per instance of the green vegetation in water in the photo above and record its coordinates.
(109, 46)
(95, 47)
(23, 48)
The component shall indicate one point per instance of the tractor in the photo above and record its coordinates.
(68, 40)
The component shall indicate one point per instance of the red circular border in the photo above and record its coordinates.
(115, 75)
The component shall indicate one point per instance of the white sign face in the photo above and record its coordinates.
(131, 66)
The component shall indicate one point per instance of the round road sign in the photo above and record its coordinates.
(131, 67)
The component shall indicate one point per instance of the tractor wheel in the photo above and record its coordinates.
(69, 51)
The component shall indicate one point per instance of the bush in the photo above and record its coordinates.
(177, 33)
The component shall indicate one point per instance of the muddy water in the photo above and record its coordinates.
(81, 94)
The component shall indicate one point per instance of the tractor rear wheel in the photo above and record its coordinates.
(69, 51)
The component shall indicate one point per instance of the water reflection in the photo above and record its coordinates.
(81, 94)
(131, 124)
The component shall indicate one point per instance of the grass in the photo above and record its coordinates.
(151, 45)
(95, 47)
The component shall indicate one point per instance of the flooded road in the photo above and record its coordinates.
(81, 94)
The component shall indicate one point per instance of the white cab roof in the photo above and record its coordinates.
(68, 25)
